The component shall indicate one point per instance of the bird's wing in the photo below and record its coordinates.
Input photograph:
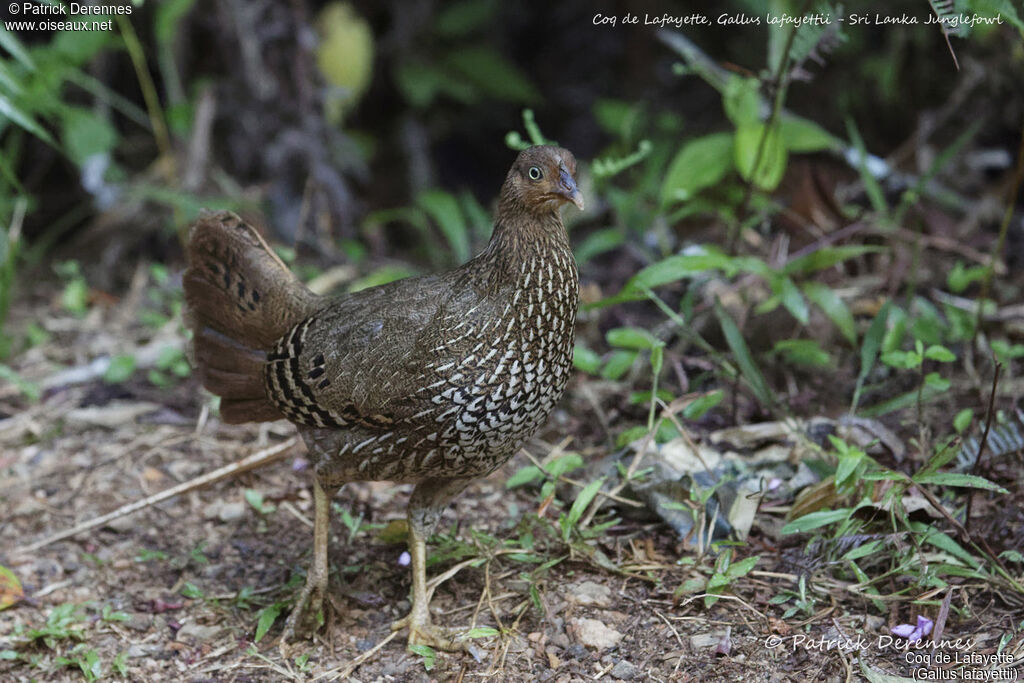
(366, 358)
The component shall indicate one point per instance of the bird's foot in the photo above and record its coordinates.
(422, 632)
(307, 615)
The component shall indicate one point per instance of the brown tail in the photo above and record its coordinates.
(241, 298)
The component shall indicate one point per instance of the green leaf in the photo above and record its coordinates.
(583, 500)
(826, 257)
(816, 520)
(674, 269)
(631, 338)
(869, 350)
(563, 464)
(700, 163)
(10, 42)
(489, 71)
(428, 654)
(963, 420)
(959, 480)
(744, 360)
(743, 567)
(793, 300)
(585, 359)
(741, 99)
(619, 362)
(960, 277)
(167, 18)
(874, 191)
(479, 632)
(265, 618)
(825, 298)
(599, 242)
(939, 353)
(23, 119)
(801, 135)
(444, 209)
(771, 164)
(421, 83)
(806, 352)
(120, 369)
(464, 17)
(85, 133)
(523, 476)
(701, 405)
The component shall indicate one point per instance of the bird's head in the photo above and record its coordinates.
(542, 179)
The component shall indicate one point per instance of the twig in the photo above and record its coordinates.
(984, 438)
(346, 671)
(258, 459)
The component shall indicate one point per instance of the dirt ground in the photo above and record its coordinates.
(177, 590)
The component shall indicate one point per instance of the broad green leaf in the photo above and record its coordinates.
(120, 369)
(770, 163)
(630, 338)
(564, 464)
(816, 520)
(618, 363)
(489, 71)
(86, 133)
(585, 359)
(939, 353)
(700, 163)
(741, 100)
(959, 480)
(825, 298)
(583, 500)
(743, 567)
(793, 300)
(523, 476)
(963, 420)
(673, 269)
(599, 242)
(806, 352)
(701, 405)
(801, 135)
(266, 618)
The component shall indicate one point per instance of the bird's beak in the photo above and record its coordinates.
(568, 188)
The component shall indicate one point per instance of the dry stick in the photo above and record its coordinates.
(258, 459)
(984, 437)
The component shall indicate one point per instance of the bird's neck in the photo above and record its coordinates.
(527, 239)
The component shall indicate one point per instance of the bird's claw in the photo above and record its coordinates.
(307, 615)
(437, 637)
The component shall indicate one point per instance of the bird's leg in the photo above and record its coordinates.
(425, 507)
(304, 616)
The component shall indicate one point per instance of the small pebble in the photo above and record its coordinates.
(594, 633)
(624, 671)
(592, 594)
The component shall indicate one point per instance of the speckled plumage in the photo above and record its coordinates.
(436, 379)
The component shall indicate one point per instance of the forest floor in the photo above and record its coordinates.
(182, 588)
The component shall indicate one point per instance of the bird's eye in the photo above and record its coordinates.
(536, 173)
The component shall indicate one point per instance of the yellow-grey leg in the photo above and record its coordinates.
(425, 507)
(304, 616)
